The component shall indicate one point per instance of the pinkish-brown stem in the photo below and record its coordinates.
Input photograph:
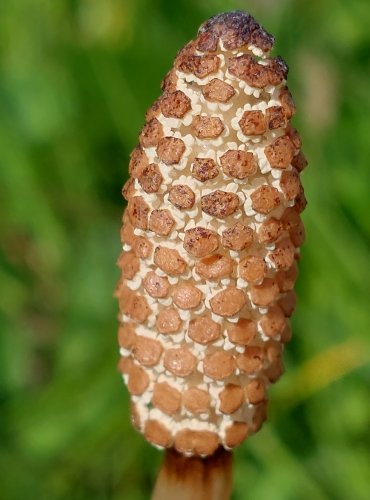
(194, 478)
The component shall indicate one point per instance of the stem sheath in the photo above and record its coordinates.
(194, 478)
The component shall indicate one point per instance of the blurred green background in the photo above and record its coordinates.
(76, 79)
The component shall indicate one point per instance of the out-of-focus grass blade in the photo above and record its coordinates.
(320, 371)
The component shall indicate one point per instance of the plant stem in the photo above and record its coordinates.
(194, 478)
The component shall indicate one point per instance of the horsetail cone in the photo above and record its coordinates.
(211, 236)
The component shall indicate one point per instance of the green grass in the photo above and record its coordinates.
(76, 79)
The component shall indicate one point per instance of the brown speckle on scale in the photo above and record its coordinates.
(211, 238)
(200, 241)
(238, 164)
(175, 104)
(207, 127)
(220, 203)
(217, 90)
(253, 123)
(161, 222)
(204, 169)
(238, 237)
(151, 178)
(156, 286)
(170, 150)
(181, 197)
(151, 134)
